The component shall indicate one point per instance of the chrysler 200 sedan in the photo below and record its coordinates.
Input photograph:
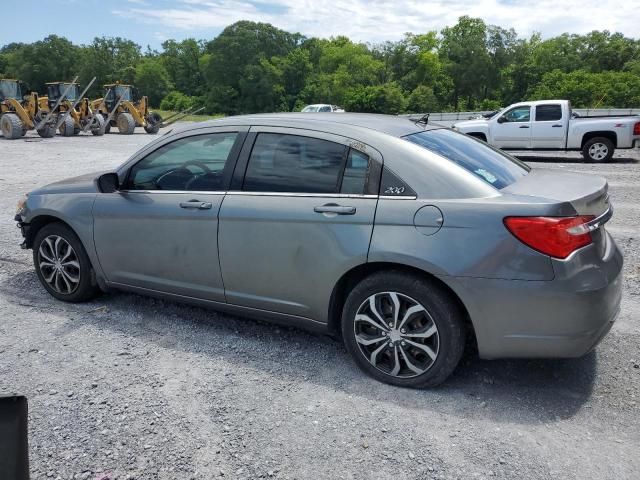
(402, 238)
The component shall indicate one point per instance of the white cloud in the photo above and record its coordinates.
(379, 20)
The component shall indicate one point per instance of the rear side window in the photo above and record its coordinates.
(356, 173)
(292, 163)
(548, 113)
(489, 164)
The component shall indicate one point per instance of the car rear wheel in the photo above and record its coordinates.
(598, 150)
(403, 329)
(62, 264)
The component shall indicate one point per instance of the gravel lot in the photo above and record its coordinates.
(132, 387)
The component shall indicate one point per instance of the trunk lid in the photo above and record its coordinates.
(588, 194)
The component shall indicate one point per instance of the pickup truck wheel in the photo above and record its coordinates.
(598, 150)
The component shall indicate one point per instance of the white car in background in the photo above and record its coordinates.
(322, 107)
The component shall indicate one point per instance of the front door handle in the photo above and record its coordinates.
(556, 126)
(196, 204)
(524, 126)
(336, 209)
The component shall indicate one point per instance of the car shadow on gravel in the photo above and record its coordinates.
(514, 391)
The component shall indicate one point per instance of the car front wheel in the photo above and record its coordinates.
(62, 264)
(403, 329)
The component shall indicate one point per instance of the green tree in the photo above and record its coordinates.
(109, 60)
(464, 51)
(152, 79)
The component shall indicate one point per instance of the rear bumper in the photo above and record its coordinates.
(562, 318)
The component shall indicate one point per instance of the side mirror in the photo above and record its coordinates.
(108, 182)
(501, 120)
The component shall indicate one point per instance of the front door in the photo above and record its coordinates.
(160, 231)
(301, 216)
(515, 130)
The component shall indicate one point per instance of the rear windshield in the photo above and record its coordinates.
(487, 163)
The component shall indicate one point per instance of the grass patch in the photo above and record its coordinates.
(188, 118)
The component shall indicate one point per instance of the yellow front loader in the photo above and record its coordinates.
(124, 108)
(72, 109)
(20, 113)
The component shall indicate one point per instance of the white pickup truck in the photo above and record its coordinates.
(550, 125)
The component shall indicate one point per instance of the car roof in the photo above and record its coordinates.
(343, 124)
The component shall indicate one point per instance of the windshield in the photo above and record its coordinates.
(124, 92)
(10, 90)
(487, 163)
(72, 93)
(310, 108)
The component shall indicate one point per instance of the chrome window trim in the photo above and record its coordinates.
(275, 194)
(301, 194)
(193, 192)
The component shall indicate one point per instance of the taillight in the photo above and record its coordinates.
(636, 129)
(554, 236)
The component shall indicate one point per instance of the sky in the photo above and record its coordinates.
(150, 22)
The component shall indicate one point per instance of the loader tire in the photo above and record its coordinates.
(11, 126)
(107, 125)
(126, 123)
(98, 128)
(154, 120)
(48, 131)
(67, 127)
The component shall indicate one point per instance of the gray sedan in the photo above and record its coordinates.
(404, 239)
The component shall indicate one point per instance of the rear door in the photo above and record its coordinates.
(298, 216)
(548, 129)
(159, 232)
(515, 130)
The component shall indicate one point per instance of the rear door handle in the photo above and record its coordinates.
(196, 204)
(556, 126)
(334, 208)
(524, 126)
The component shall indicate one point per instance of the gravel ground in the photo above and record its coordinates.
(132, 387)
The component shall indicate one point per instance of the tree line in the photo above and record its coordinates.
(255, 67)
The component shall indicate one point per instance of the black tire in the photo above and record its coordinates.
(439, 309)
(107, 125)
(67, 127)
(126, 123)
(598, 150)
(11, 126)
(98, 128)
(85, 288)
(154, 120)
(48, 131)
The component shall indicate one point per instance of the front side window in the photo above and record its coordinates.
(518, 114)
(548, 113)
(325, 108)
(491, 165)
(292, 163)
(192, 164)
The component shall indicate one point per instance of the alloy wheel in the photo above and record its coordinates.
(396, 334)
(598, 151)
(59, 264)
